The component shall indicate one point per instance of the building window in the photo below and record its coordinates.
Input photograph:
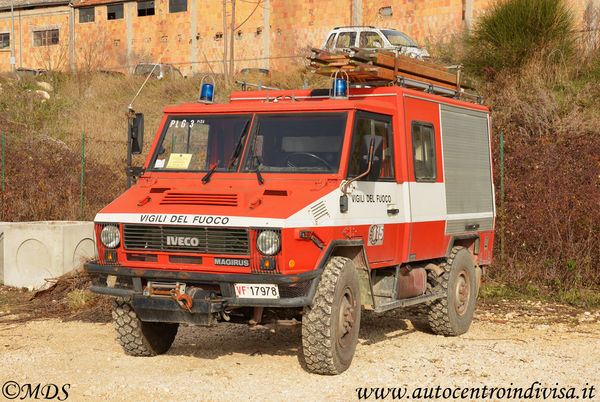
(177, 6)
(86, 15)
(114, 12)
(423, 144)
(386, 11)
(4, 40)
(145, 8)
(45, 38)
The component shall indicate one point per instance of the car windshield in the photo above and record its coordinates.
(397, 38)
(199, 143)
(296, 143)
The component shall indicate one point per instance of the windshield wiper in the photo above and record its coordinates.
(257, 170)
(238, 146)
(206, 177)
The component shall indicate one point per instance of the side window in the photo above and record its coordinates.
(345, 39)
(372, 124)
(423, 144)
(329, 43)
(370, 40)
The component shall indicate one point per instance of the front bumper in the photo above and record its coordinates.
(295, 290)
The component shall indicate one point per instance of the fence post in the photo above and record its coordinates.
(501, 197)
(2, 176)
(82, 165)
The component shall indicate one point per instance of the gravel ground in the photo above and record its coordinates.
(509, 342)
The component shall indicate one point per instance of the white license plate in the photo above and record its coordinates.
(256, 291)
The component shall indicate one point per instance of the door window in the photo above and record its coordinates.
(372, 124)
(370, 40)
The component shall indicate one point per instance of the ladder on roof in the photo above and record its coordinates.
(383, 67)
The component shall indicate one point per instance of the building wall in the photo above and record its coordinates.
(275, 34)
(27, 22)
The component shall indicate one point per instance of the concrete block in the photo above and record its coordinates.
(31, 252)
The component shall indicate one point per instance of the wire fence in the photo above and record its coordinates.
(43, 178)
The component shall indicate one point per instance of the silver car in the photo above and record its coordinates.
(368, 37)
(158, 70)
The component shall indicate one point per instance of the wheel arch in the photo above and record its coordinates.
(354, 250)
(470, 241)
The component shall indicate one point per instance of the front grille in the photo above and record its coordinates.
(201, 240)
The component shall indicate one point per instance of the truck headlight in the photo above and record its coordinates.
(110, 236)
(268, 242)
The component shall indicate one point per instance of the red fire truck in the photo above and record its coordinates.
(299, 206)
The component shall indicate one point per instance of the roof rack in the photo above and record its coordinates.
(384, 67)
(355, 26)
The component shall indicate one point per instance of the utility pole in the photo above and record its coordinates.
(225, 70)
(231, 39)
(12, 35)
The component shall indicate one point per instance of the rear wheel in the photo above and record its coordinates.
(330, 324)
(137, 337)
(452, 314)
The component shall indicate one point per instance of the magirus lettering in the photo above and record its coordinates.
(233, 262)
(182, 241)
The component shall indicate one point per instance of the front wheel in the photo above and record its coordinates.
(452, 314)
(330, 324)
(137, 337)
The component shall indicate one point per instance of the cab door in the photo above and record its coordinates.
(427, 195)
(373, 204)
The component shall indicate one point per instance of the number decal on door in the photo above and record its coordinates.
(376, 235)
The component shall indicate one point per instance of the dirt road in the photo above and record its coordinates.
(507, 346)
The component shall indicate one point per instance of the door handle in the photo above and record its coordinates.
(393, 211)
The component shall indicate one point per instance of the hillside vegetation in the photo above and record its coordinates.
(540, 82)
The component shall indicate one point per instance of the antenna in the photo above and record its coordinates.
(130, 107)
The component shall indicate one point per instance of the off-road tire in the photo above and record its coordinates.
(137, 337)
(453, 313)
(328, 339)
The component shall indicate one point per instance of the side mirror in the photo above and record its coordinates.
(136, 133)
(371, 150)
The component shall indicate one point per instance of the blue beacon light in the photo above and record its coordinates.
(340, 88)
(207, 93)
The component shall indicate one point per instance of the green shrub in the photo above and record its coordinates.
(514, 30)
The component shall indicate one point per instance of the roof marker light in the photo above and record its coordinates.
(207, 91)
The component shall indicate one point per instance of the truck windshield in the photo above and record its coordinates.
(296, 143)
(198, 143)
